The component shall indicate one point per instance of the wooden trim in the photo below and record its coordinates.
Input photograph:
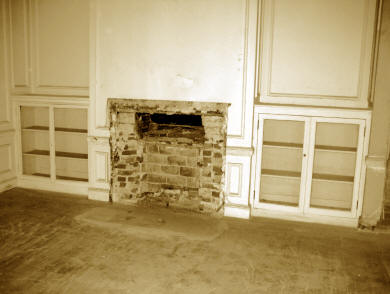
(312, 218)
(248, 79)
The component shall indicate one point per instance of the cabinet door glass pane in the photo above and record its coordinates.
(334, 165)
(281, 162)
(35, 140)
(71, 144)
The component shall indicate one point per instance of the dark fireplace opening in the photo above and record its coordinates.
(170, 126)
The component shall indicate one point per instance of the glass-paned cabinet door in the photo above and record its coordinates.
(281, 161)
(335, 165)
(71, 146)
(35, 140)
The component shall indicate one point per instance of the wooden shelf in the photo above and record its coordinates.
(71, 178)
(278, 202)
(38, 152)
(58, 154)
(335, 148)
(57, 129)
(282, 144)
(280, 173)
(327, 177)
(41, 175)
(36, 128)
(71, 130)
(71, 155)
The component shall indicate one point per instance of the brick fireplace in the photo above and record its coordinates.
(169, 153)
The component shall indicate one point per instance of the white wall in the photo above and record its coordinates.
(175, 50)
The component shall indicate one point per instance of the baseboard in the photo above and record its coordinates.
(238, 211)
(70, 187)
(99, 194)
(8, 184)
(309, 218)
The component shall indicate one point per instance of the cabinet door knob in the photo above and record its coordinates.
(304, 154)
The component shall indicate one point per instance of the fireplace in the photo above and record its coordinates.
(170, 153)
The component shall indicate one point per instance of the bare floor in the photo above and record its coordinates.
(54, 243)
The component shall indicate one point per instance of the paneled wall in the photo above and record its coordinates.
(49, 46)
(316, 52)
(7, 136)
(172, 50)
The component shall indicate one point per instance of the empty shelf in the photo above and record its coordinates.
(41, 175)
(71, 155)
(37, 128)
(328, 177)
(335, 148)
(71, 178)
(282, 144)
(71, 130)
(281, 173)
(57, 129)
(38, 152)
(58, 154)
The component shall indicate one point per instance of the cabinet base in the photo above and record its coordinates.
(7, 184)
(99, 194)
(62, 186)
(238, 211)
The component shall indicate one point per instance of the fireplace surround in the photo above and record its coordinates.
(169, 153)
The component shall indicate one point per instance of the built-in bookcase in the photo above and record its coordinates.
(35, 139)
(312, 163)
(54, 142)
(71, 146)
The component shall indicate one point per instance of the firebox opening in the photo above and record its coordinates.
(172, 119)
(171, 126)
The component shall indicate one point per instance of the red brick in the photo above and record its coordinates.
(150, 187)
(129, 152)
(154, 178)
(193, 182)
(192, 152)
(217, 170)
(151, 167)
(151, 147)
(192, 161)
(170, 169)
(167, 149)
(155, 158)
(176, 160)
(176, 180)
(126, 117)
(189, 171)
(126, 172)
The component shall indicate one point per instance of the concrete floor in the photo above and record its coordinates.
(54, 243)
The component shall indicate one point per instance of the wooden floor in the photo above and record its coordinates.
(53, 243)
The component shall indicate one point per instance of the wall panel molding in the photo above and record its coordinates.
(45, 87)
(5, 107)
(243, 138)
(7, 159)
(19, 45)
(283, 78)
(25, 36)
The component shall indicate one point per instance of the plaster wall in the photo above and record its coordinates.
(171, 50)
